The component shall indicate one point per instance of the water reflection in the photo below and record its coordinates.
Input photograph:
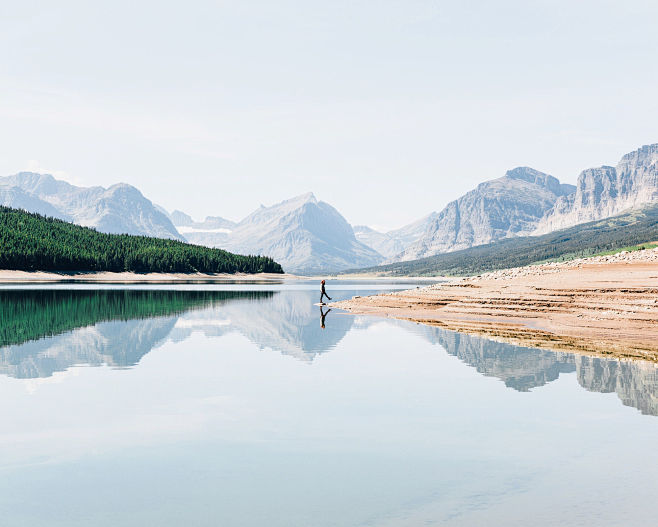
(46, 331)
(323, 316)
(634, 382)
(285, 322)
(518, 367)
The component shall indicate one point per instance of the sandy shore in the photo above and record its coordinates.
(606, 305)
(41, 277)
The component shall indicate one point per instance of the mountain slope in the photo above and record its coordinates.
(17, 198)
(501, 208)
(119, 209)
(605, 191)
(628, 229)
(304, 235)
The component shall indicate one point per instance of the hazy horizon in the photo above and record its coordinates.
(386, 112)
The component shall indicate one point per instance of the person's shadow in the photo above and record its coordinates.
(323, 314)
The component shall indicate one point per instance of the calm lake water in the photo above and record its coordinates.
(231, 405)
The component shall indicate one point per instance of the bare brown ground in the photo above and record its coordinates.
(606, 306)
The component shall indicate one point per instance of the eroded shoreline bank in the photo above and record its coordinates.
(603, 306)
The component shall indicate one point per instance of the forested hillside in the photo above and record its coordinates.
(629, 229)
(32, 242)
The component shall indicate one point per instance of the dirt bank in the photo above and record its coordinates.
(606, 305)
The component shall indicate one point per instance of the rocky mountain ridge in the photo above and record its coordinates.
(500, 208)
(606, 191)
(119, 209)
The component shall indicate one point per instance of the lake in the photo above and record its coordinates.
(248, 405)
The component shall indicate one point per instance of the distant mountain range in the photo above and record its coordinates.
(303, 234)
(306, 235)
(310, 236)
(528, 202)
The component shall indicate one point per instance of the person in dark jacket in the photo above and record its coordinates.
(323, 293)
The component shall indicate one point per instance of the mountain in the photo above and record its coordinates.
(17, 198)
(213, 231)
(181, 219)
(528, 202)
(501, 208)
(392, 243)
(303, 234)
(632, 228)
(119, 209)
(606, 191)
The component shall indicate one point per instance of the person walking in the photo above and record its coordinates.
(323, 293)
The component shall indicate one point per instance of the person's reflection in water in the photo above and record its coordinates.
(323, 314)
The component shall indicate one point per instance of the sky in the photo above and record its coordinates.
(387, 110)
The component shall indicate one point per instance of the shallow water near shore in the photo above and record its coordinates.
(248, 405)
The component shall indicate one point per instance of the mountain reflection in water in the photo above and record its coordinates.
(521, 368)
(46, 331)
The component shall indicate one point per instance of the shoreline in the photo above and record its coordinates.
(36, 277)
(603, 306)
(8, 276)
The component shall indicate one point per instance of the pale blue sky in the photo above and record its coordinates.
(387, 109)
